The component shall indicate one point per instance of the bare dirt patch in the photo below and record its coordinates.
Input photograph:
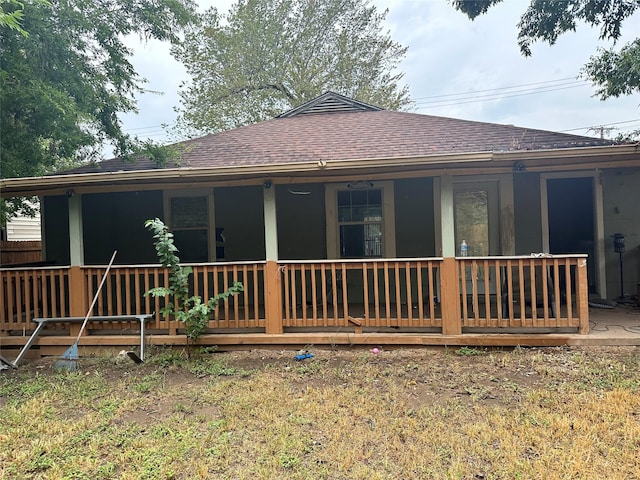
(350, 413)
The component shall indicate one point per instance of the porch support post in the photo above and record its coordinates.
(449, 295)
(601, 265)
(272, 274)
(582, 292)
(77, 297)
(447, 229)
(76, 245)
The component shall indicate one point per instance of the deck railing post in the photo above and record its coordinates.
(582, 296)
(273, 298)
(77, 296)
(449, 297)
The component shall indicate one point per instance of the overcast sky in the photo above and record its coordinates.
(454, 68)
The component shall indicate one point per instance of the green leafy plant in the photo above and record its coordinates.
(470, 352)
(186, 308)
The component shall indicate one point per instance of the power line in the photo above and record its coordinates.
(154, 127)
(490, 98)
(591, 126)
(471, 92)
(500, 88)
(497, 96)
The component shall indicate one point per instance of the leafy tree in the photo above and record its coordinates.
(11, 14)
(63, 84)
(267, 56)
(186, 308)
(615, 72)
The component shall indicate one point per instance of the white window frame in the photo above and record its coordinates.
(388, 218)
(211, 227)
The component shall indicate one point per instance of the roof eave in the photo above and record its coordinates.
(57, 184)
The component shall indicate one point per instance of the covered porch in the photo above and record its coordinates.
(352, 253)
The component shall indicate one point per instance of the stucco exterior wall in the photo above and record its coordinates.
(621, 192)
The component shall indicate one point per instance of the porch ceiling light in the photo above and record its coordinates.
(519, 167)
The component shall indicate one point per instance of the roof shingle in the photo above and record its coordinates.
(352, 135)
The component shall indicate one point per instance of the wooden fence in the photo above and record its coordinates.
(20, 252)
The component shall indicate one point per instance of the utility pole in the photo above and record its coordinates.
(602, 129)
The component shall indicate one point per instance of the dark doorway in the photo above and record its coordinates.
(571, 219)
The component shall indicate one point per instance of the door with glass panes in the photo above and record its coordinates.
(476, 222)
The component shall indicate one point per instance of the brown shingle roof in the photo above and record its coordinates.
(353, 136)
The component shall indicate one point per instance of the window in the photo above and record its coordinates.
(190, 215)
(360, 219)
(360, 223)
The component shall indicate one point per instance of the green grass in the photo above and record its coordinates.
(526, 413)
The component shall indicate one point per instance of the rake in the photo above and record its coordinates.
(68, 360)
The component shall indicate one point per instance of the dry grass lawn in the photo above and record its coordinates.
(417, 413)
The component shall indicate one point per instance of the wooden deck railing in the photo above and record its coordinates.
(374, 293)
(28, 293)
(451, 296)
(123, 292)
(534, 291)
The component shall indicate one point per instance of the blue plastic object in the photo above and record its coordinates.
(303, 356)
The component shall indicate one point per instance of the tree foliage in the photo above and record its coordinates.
(11, 15)
(615, 72)
(267, 56)
(63, 84)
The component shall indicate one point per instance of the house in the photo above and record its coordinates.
(344, 222)
(23, 228)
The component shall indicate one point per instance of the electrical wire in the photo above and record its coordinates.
(499, 88)
(591, 126)
(485, 98)
(630, 329)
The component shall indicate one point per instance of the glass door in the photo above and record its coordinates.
(476, 224)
